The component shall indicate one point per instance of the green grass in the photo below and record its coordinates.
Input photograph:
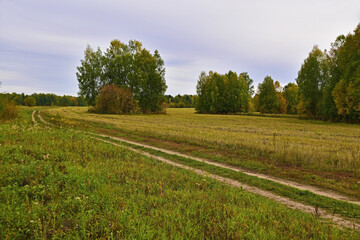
(313, 152)
(331, 205)
(56, 183)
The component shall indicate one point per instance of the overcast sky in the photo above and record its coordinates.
(43, 41)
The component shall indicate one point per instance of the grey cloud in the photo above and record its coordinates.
(260, 37)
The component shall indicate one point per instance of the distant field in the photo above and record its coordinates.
(57, 183)
(316, 152)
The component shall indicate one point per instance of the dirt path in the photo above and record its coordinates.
(41, 119)
(33, 117)
(316, 190)
(283, 200)
(286, 201)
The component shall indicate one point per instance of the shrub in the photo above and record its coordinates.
(8, 109)
(29, 101)
(115, 100)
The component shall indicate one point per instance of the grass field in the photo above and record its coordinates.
(315, 152)
(56, 183)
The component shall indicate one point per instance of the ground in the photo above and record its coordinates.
(58, 182)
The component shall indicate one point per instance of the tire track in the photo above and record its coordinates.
(316, 190)
(283, 200)
(33, 117)
(41, 119)
(340, 221)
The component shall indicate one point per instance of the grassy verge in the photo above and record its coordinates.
(56, 183)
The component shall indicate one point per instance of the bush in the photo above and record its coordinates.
(29, 101)
(8, 109)
(115, 100)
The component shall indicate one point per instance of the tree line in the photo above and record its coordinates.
(43, 99)
(181, 101)
(327, 87)
(232, 93)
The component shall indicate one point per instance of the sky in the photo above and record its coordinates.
(42, 42)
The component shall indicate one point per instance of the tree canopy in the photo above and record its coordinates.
(310, 80)
(268, 100)
(291, 97)
(124, 65)
(329, 81)
(223, 93)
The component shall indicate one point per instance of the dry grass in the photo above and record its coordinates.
(286, 142)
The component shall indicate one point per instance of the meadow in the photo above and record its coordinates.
(314, 152)
(58, 183)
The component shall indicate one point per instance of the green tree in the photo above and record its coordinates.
(81, 100)
(291, 96)
(89, 75)
(239, 92)
(333, 77)
(202, 105)
(281, 101)
(249, 83)
(65, 101)
(149, 84)
(115, 64)
(222, 93)
(256, 103)
(129, 66)
(347, 91)
(188, 101)
(268, 99)
(310, 81)
(19, 100)
(29, 101)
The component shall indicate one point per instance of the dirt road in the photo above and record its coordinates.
(286, 201)
(316, 190)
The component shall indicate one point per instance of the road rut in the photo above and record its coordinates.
(316, 190)
(283, 200)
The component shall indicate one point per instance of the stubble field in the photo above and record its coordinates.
(314, 152)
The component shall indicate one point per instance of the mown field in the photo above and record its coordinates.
(57, 183)
(315, 152)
